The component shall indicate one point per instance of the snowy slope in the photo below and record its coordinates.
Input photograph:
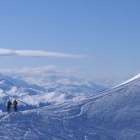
(115, 115)
(137, 77)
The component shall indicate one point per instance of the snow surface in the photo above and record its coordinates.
(114, 115)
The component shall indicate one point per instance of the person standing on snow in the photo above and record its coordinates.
(9, 104)
(15, 103)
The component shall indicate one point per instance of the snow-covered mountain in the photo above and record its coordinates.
(53, 86)
(114, 115)
(58, 81)
(35, 89)
(16, 88)
(7, 83)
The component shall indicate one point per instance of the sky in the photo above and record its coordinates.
(98, 38)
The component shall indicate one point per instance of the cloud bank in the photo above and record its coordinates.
(36, 53)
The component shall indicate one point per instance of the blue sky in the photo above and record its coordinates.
(106, 32)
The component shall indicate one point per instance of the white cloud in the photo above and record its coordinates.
(36, 53)
(5, 52)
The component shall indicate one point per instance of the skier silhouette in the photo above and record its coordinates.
(15, 103)
(9, 104)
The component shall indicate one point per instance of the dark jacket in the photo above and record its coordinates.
(15, 103)
(9, 103)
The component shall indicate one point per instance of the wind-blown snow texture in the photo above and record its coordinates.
(114, 115)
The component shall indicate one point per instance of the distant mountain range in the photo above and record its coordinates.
(40, 89)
